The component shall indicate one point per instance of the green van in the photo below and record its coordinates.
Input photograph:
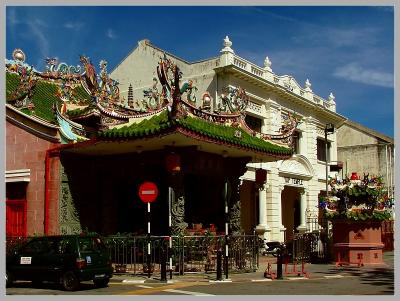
(67, 260)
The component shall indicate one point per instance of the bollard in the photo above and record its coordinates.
(170, 262)
(226, 267)
(279, 260)
(226, 255)
(219, 265)
(148, 266)
(277, 249)
(163, 266)
(181, 264)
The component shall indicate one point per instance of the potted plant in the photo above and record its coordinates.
(356, 207)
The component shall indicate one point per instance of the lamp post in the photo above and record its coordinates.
(329, 129)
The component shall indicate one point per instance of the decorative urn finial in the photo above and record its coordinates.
(227, 45)
(308, 85)
(267, 64)
(227, 42)
(331, 97)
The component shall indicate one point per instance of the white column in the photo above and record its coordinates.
(262, 205)
(303, 207)
(303, 143)
(263, 229)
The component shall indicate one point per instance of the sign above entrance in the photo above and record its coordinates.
(294, 181)
(148, 192)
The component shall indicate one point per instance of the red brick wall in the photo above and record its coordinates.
(26, 151)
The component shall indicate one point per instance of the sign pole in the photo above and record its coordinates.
(148, 241)
(148, 193)
(226, 228)
(170, 196)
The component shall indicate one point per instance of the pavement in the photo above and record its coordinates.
(298, 273)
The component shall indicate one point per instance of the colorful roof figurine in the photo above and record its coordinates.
(87, 106)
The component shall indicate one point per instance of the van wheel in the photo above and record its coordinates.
(70, 281)
(101, 282)
(9, 279)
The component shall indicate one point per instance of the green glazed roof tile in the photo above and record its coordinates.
(161, 123)
(44, 96)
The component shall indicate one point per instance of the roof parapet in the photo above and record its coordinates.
(229, 58)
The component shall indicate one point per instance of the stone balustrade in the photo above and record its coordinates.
(280, 81)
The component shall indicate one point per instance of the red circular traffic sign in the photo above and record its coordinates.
(148, 192)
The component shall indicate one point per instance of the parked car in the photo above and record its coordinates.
(67, 260)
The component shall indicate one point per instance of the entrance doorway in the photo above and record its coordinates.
(249, 212)
(16, 209)
(290, 199)
(204, 203)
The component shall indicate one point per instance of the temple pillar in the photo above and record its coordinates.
(234, 207)
(234, 168)
(178, 205)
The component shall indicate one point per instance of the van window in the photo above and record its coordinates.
(53, 246)
(66, 247)
(36, 246)
(91, 244)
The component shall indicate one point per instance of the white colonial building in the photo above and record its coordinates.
(291, 192)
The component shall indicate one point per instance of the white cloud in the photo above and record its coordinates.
(12, 20)
(12, 17)
(269, 14)
(337, 37)
(39, 36)
(74, 25)
(356, 73)
(111, 34)
(389, 9)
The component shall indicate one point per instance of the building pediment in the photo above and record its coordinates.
(297, 166)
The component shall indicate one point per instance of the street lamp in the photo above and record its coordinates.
(329, 129)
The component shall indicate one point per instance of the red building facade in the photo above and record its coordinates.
(25, 180)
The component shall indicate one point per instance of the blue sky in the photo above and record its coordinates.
(341, 49)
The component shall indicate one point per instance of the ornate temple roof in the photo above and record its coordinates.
(87, 106)
(197, 129)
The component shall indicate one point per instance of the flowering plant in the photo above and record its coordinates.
(357, 199)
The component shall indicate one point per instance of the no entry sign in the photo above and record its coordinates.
(148, 192)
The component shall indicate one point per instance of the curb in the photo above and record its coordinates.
(229, 280)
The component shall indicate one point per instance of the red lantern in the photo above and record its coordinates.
(354, 176)
(261, 176)
(173, 162)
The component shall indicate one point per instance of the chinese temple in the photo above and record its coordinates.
(77, 151)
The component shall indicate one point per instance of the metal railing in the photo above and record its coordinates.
(190, 254)
(308, 247)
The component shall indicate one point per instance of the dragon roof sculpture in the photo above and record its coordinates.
(86, 104)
